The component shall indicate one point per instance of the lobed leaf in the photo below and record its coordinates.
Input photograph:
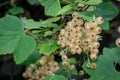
(51, 6)
(107, 10)
(13, 40)
(105, 66)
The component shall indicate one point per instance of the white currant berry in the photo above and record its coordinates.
(119, 29)
(64, 63)
(72, 67)
(94, 51)
(81, 72)
(118, 42)
(64, 57)
(99, 20)
(97, 30)
(93, 66)
(93, 56)
(96, 45)
(88, 65)
(93, 24)
(62, 31)
(74, 14)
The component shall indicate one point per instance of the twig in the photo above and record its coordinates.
(85, 7)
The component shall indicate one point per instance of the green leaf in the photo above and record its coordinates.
(107, 10)
(93, 2)
(56, 77)
(25, 48)
(105, 25)
(16, 10)
(90, 2)
(13, 40)
(32, 2)
(11, 31)
(86, 15)
(105, 66)
(51, 6)
(48, 46)
(65, 9)
(91, 8)
(32, 58)
(50, 20)
(30, 24)
(47, 33)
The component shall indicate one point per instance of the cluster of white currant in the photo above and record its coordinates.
(118, 39)
(47, 67)
(80, 36)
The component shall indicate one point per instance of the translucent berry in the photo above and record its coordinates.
(64, 57)
(93, 66)
(88, 65)
(93, 56)
(118, 42)
(119, 29)
(97, 30)
(81, 72)
(72, 67)
(93, 24)
(99, 20)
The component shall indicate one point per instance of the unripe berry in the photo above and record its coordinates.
(81, 72)
(58, 42)
(88, 65)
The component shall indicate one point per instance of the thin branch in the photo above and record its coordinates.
(85, 7)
